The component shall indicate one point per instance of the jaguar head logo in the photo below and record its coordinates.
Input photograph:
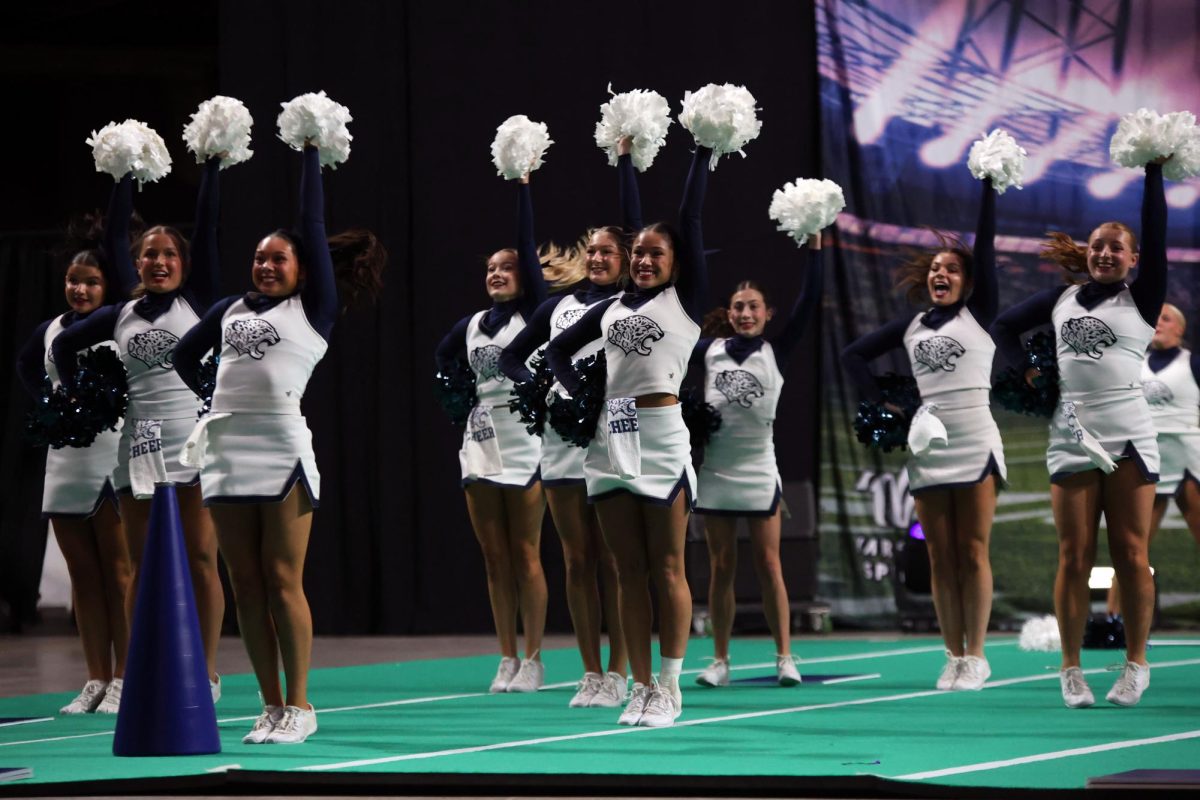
(486, 362)
(154, 348)
(635, 334)
(1157, 393)
(938, 353)
(739, 386)
(251, 337)
(569, 318)
(1087, 336)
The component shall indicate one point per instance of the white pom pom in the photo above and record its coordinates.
(519, 146)
(1040, 634)
(220, 125)
(721, 117)
(642, 114)
(998, 156)
(806, 206)
(130, 147)
(317, 119)
(1145, 135)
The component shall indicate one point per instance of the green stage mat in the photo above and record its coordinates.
(866, 707)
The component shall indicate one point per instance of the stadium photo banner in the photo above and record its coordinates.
(906, 88)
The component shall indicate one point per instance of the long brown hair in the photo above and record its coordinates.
(181, 244)
(358, 261)
(913, 275)
(716, 322)
(1071, 257)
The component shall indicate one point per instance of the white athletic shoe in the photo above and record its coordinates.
(715, 674)
(1075, 691)
(529, 677)
(612, 691)
(785, 668)
(91, 696)
(296, 725)
(663, 707)
(266, 722)
(945, 681)
(215, 688)
(1134, 679)
(636, 705)
(973, 672)
(591, 683)
(504, 674)
(111, 703)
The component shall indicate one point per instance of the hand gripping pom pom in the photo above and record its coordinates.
(1040, 634)
(702, 419)
(806, 206)
(722, 118)
(1145, 135)
(220, 125)
(529, 397)
(642, 114)
(315, 119)
(1012, 391)
(575, 418)
(880, 427)
(455, 390)
(998, 156)
(121, 148)
(208, 383)
(519, 146)
(98, 402)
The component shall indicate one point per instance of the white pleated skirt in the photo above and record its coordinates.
(666, 460)
(520, 453)
(1179, 460)
(257, 458)
(972, 452)
(562, 462)
(78, 479)
(739, 477)
(1121, 424)
(174, 433)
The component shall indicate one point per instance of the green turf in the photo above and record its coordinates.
(891, 726)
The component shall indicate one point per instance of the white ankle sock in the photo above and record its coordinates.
(668, 674)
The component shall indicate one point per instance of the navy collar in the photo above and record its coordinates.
(498, 316)
(1093, 293)
(740, 348)
(1160, 359)
(637, 297)
(589, 293)
(938, 316)
(258, 302)
(151, 306)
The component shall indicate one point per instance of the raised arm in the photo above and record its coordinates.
(805, 307)
(203, 282)
(453, 346)
(100, 326)
(1030, 313)
(31, 361)
(535, 333)
(864, 349)
(631, 197)
(692, 284)
(695, 367)
(533, 285)
(120, 271)
(319, 294)
(1149, 291)
(570, 341)
(985, 296)
(198, 342)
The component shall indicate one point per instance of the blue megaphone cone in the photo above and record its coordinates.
(166, 704)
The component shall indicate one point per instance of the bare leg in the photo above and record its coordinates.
(935, 510)
(1076, 505)
(618, 657)
(666, 532)
(485, 505)
(200, 537)
(1128, 501)
(765, 533)
(1156, 518)
(135, 516)
(974, 509)
(573, 520)
(118, 575)
(79, 549)
(721, 533)
(621, 523)
(285, 531)
(524, 509)
(1188, 501)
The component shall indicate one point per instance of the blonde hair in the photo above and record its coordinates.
(1182, 319)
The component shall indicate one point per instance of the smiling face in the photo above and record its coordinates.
(503, 276)
(1111, 253)
(749, 313)
(652, 261)
(160, 263)
(1168, 332)
(84, 288)
(276, 271)
(946, 280)
(605, 261)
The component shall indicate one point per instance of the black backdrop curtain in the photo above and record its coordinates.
(428, 82)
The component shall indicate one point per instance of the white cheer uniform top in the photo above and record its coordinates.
(647, 348)
(1173, 395)
(266, 358)
(1101, 350)
(569, 311)
(483, 354)
(52, 331)
(746, 394)
(147, 350)
(952, 363)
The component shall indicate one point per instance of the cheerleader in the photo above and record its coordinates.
(500, 459)
(78, 496)
(957, 458)
(739, 478)
(638, 468)
(1103, 455)
(584, 551)
(174, 291)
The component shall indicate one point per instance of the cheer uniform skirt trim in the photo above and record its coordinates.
(1179, 461)
(107, 492)
(1120, 422)
(562, 462)
(971, 437)
(520, 454)
(258, 458)
(666, 465)
(296, 476)
(719, 512)
(989, 469)
(78, 479)
(739, 477)
(1130, 451)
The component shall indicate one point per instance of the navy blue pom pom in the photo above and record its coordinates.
(1014, 393)
(877, 425)
(701, 418)
(208, 382)
(455, 390)
(575, 418)
(98, 401)
(529, 397)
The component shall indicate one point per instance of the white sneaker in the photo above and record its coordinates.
(662, 708)
(266, 722)
(611, 693)
(1075, 691)
(504, 674)
(945, 681)
(1134, 679)
(715, 674)
(88, 699)
(215, 688)
(296, 725)
(111, 703)
(636, 705)
(785, 668)
(529, 677)
(591, 683)
(973, 672)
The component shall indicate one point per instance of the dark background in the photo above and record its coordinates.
(427, 83)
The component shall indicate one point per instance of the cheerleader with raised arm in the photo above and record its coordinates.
(743, 376)
(957, 459)
(1103, 456)
(500, 460)
(605, 270)
(78, 497)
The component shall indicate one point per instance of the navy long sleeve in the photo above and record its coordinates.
(453, 346)
(319, 295)
(696, 365)
(202, 284)
(692, 284)
(31, 361)
(120, 272)
(203, 337)
(570, 341)
(1149, 291)
(864, 349)
(535, 333)
(804, 309)
(631, 198)
(100, 326)
(533, 284)
(1030, 313)
(985, 297)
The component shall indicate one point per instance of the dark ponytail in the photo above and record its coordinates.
(358, 261)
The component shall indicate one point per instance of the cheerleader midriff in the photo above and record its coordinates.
(656, 400)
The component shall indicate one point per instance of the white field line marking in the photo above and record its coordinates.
(26, 722)
(705, 721)
(851, 678)
(224, 768)
(1076, 751)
